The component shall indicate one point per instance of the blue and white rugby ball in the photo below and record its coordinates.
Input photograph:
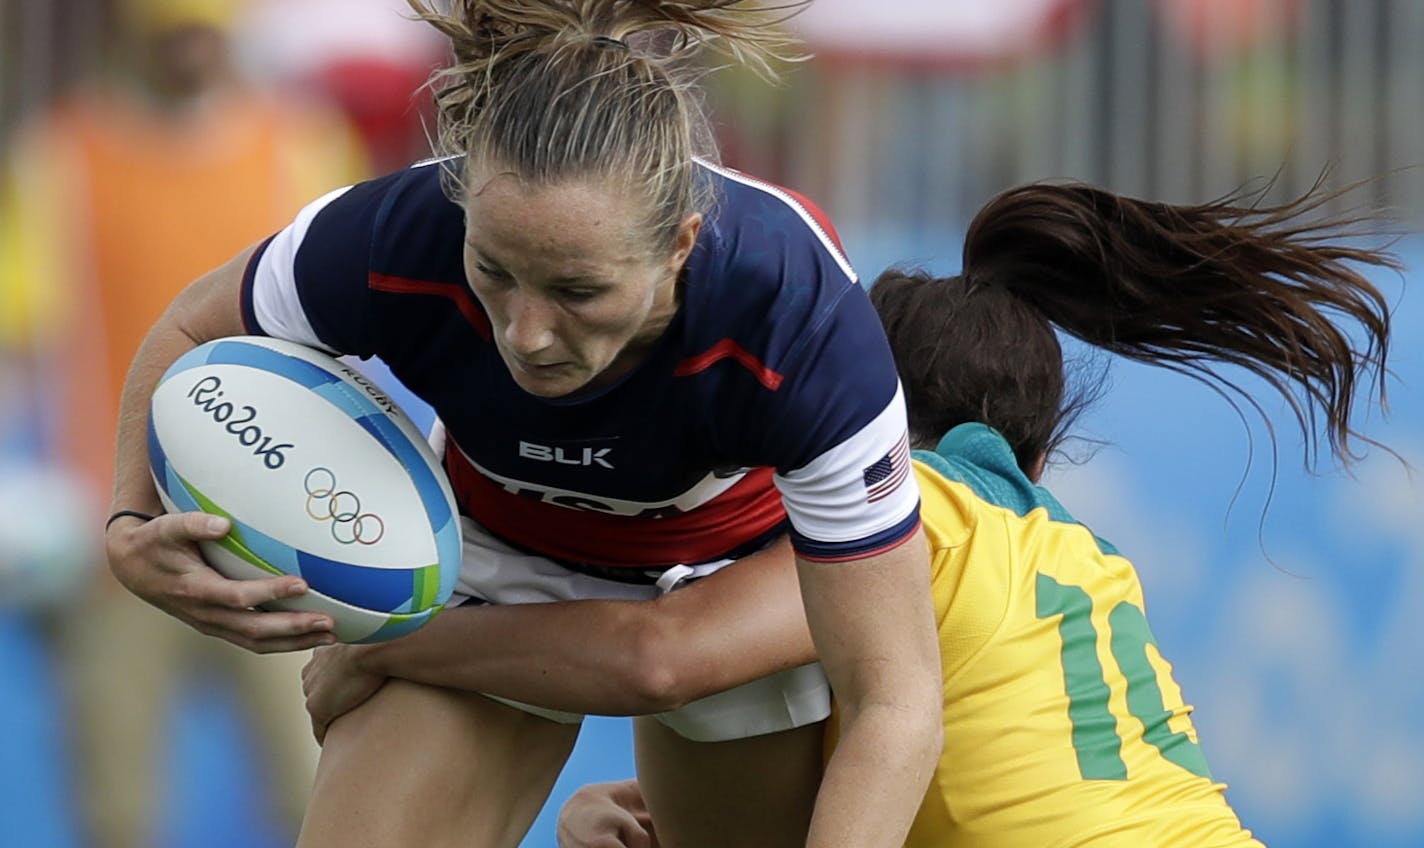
(322, 476)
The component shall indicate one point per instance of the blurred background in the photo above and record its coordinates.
(146, 140)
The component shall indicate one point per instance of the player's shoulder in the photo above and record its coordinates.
(756, 219)
(415, 195)
(768, 265)
(416, 227)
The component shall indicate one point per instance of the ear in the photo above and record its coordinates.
(687, 233)
(1035, 471)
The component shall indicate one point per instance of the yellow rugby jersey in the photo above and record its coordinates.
(1062, 724)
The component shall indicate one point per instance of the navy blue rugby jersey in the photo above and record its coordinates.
(772, 395)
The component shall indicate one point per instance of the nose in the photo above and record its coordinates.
(531, 324)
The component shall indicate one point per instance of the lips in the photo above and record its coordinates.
(538, 368)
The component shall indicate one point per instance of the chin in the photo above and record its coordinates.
(552, 386)
(548, 389)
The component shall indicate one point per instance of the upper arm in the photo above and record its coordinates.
(873, 622)
(209, 307)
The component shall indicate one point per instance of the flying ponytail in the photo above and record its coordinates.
(1271, 289)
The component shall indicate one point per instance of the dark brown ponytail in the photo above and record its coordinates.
(1184, 287)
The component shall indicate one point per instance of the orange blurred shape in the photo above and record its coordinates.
(1211, 28)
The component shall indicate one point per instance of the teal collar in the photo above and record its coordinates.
(978, 456)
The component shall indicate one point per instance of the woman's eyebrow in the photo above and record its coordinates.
(484, 255)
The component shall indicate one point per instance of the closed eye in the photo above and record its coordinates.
(579, 295)
(491, 272)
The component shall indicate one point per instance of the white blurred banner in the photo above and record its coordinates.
(938, 30)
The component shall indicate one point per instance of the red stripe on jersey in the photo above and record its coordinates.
(865, 554)
(660, 538)
(725, 349)
(816, 214)
(462, 299)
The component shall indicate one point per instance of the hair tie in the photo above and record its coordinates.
(126, 513)
(973, 278)
(610, 43)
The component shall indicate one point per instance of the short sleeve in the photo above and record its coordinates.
(841, 430)
(309, 283)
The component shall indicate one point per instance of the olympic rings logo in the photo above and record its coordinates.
(349, 525)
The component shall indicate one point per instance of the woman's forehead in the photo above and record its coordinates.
(583, 224)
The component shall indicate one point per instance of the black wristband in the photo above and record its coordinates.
(126, 513)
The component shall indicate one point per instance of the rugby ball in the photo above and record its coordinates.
(321, 475)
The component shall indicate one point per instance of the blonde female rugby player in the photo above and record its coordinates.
(647, 365)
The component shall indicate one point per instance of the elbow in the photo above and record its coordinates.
(655, 690)
(927, 714)
(655, 676)
(934, 736)
(929, 728)
(907, 720)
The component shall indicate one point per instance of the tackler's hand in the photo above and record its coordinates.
(607, 815)
(159, 561)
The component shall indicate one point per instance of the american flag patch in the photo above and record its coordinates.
(885, 475)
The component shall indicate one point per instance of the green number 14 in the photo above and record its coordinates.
(1095, 737)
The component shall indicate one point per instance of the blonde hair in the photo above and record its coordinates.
(595, 88)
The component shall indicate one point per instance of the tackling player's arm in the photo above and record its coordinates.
(606, 657)
(159, 560)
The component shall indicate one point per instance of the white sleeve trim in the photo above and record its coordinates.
(829, 499)
(275, 302)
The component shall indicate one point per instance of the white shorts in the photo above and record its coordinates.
(494, 572)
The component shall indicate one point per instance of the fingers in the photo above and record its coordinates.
(627, 794)
(309, 672)
(264, 632)
(599, 816)
(286, 645)
(208, 585)
(318, 730)
(189, 526)
(320, 720)
(604, 834)
(158, 562)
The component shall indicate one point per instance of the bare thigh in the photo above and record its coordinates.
(755, 792)
(421, 765)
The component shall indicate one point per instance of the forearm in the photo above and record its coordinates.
(874, 625)
(200, 313)
(541, 658)
(875, 781)
(616, 657)
(133, 484)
